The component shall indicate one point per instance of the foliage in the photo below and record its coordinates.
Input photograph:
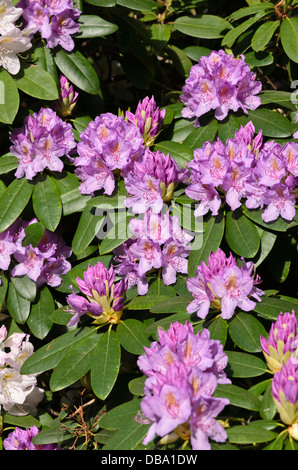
(124, 51)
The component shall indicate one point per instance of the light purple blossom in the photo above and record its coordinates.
(183, 370)
(21, 439)
(285, 391)
(157, 242)
(107, 146)
(67, 100)
(282, 340)
(103, 298)
(221, 83)
(41, 142)
(151, 181)
(56, 21)
(247, 171)
(148, 118)
(224, 286)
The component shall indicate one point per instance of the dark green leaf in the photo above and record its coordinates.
(18, 307)
(249, 434)
(201, 135)
(105, 364)
(13, 201)
(78, 70)
(289, 37)
(238, 396)
(34, 233)
(245, 365)
(47, 203)
(87, 229)
(8, 162)
(206, 26)
(39, 320)
(133, 336)
(263, 35)
(141, 5)
(245, 330)
(37, 82)
(9, 98)
(25, 287)
(241, 234)
(92, 26)
(272, 123)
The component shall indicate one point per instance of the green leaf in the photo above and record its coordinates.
(250, 10)
(270, 307)
(37, 82)
(210, 241)
(218, 329)
(78, 70)
(18, 307)
(75, 364)
(9, 98)
(245, 330)
(47, 203)
(87, 229)
(227, 128)
(279, 225)
(13, 201)
(39, 320)
(34, 233)
(233, 34)
(117, 235)
(267, 407)
(49, 355)
(168, 306)
(52, 435)
(141, 5)
(241, 234)
(263, 35)
(8, 161)
(289, 37)
(105, 364)
(267, 242)
(25, 287)
(43, 57)
(249, 434)
(71, 198)
(180, 60)
(145, 302)
(281, 98)
(21, 421)
(245, 365)
(136, 386)
(238, 396)
(201, 134)
(272, 123)
(118, 416)
(160, 35)
(206, 27)
(102, 3)
(132, 335)
(3, 289)
(92, 26)
(128, 437)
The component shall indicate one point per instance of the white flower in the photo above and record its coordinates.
(8, 15)
(19, 394)
(12, 43)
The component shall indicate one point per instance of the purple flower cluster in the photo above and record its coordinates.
(282, 341)
(157, 242)
(285, 393)
(152, 181)
(44, 263)
(41, 142)
(103, 298)
(108, 146)
(148, 118)
(264, 175)
(55, 20)
(21, 439)
(219, 82)
(183, 370)
(223, 285)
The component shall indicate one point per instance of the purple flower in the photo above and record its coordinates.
(21, 439)
(108, 145)
(285, 391)
(282, 340)
(157, 242)
(279, 201)
(148, 118)
(41, 143)
(44, 263)
(55, 20)
(104, 299)
(183, 370)
(223, 285)
(221, 83)
(151, 181)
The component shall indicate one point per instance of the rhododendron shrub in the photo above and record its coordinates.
(148, 226)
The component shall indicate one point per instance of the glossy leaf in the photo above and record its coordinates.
(87, 229)
(245, 331)
(105, 364)
(47, 203)
(245, 365)
(9, 98)
(206, 26)
(13, 201)
(289, 37)
(263, 35)
(132, 335)
(8, 162)
(272, 123)
(92, 26)
(241, 234)
(18, 307)
(37, 82)
(39, 320)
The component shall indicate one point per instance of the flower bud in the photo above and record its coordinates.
(281, 342)
(285, 392)
(68, 98)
